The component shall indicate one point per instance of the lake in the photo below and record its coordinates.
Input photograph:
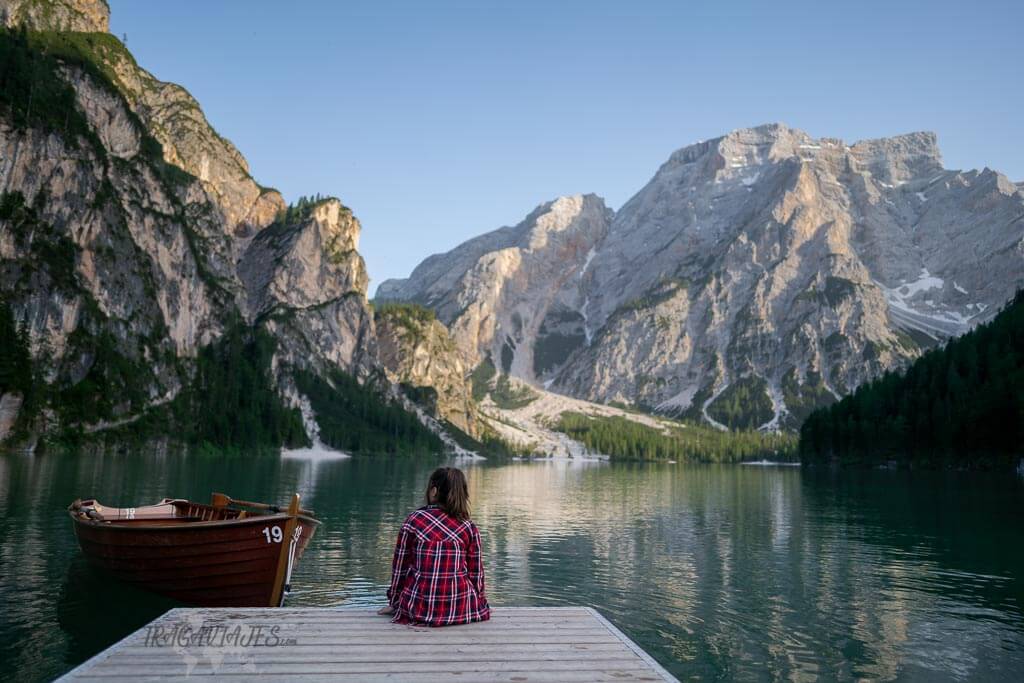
(721, 572)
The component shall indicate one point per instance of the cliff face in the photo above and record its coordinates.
(97, 253)
(168, 112)
(57, 15)
(515, 295)
(755, 276)
(175, 119)
(305, 280)
(418, 353)
(132, 235)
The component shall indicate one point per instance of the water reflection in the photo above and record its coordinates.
(721, 572)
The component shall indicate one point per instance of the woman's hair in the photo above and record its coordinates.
(452, 491)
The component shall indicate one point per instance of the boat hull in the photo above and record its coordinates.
(227, 563)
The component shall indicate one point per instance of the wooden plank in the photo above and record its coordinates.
(413, 636)
(382, 623)
(386, 621)
(378, 619)
(494, 677)
(417, 652)
(534, 660)
(423, 638)
(519, 644)
(296, 630)
(361, 616)
(419, 637)
(531, 660)
(625, 662)
(362, 612)
(467, 653)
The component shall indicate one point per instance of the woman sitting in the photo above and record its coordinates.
(437, 575)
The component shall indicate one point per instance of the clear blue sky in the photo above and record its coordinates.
(439, 121)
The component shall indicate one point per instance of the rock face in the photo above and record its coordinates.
(417, 352)
(57, 15)
(516, 295)
(756, 276)
(95, 250)
(305, 280)
(132, 235)
(176, 120)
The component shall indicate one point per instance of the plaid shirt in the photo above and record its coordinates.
(437, 575)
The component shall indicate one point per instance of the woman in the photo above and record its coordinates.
(437, 575)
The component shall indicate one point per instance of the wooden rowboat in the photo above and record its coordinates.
(229, 553)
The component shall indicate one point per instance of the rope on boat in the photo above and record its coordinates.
(292, 546)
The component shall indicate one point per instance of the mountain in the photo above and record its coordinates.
(418, 354)
(755, 277)
(514, 284)
(144, 270)
(961, 405)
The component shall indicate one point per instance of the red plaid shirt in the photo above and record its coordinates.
(437, 575)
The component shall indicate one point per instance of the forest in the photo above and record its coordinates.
(356, 419)
(15, 359)
(625, 439)
(961, 405)
(232, 404)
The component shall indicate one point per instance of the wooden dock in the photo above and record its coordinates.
(518, 644)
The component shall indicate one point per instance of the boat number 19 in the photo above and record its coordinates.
(273, 532)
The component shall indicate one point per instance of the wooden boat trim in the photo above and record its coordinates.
(143, 516)
(184, 523)
(277, 593)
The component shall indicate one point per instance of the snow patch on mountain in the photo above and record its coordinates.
(924, 314)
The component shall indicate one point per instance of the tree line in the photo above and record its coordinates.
(232, 403)
(961, 405)
(622, 438)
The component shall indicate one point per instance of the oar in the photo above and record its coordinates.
(223, 500)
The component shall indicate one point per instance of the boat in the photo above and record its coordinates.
(228, 553)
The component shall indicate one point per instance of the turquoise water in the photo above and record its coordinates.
(720, 572)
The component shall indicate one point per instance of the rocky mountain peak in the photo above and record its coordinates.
(336, 221)
(765, 143)
(305, 258)
(893, 159)
(485, 289)
(749, 146)
(91, 16)
(757, 275)
(577, 221)
(562, 214)
(899, 158)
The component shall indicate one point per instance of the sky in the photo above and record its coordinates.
(438, 121)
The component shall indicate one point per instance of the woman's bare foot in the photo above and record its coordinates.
(387, 610)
